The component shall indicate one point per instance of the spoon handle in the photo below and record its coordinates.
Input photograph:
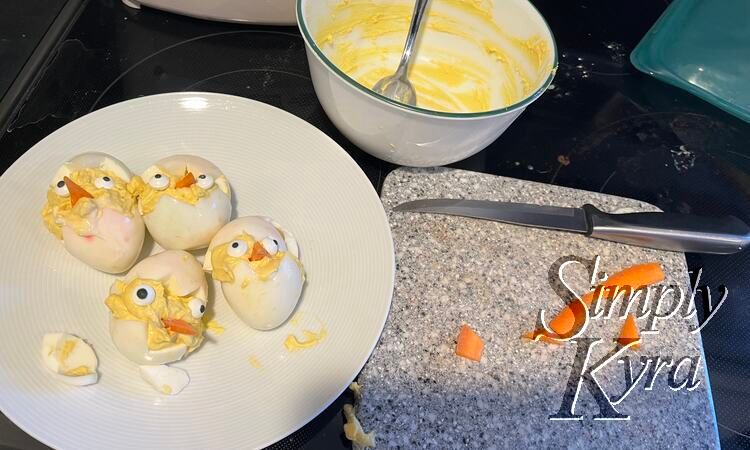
(420, 7)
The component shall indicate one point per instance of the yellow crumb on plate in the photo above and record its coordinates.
(310, 339)
(255, 362)
(214, 327)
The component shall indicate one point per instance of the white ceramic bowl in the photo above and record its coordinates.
(408, 135)
(272, 12)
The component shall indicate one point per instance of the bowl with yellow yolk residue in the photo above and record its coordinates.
(477, 65)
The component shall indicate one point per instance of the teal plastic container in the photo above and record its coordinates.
(702, 46)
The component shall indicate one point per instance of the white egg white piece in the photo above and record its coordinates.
(264, 301)
(178, 225)
(164, 379)
(116, 239)
(94, 160)
(183, 275)
(70, 359)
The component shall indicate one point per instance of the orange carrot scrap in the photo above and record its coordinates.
(76, 191)
(469, 344)
(572, 317)
(629, 333)
(259, 252)
(179, 326)
(636, 276)
(186, 181)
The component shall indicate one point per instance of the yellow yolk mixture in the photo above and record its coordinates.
(255, 362)
(149, 197)
(311, 339)
(164, 306)
(464, 63)
(303, 337)
(214, 327)
(58, 210)
(223, 263)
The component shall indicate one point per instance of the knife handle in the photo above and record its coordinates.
(667, 231)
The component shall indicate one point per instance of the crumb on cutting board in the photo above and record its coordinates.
(354, 431)
(353, 428)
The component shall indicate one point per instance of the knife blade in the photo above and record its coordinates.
(663, 231)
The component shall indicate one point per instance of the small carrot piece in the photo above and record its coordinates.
(179, 326)
(629, 333)
(186, 181)
(636, 276)
(76, 191)
(469, 344)
(572, 317)
(259, 252)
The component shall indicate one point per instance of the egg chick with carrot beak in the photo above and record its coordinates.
(92, 210)
(184, 201)
(257, 263)
(158, 308)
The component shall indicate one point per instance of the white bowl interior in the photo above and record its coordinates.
(518, 21)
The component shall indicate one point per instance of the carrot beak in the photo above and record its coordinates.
(258, 252)
(179, 326)
(76, 192)
(186, 181)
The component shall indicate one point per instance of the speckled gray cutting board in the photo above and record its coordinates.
(494, 277)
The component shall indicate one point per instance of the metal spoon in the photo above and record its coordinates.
(397, 86)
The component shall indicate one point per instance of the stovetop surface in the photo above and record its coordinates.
(602, 126)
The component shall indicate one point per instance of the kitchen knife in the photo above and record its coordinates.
(664, 231)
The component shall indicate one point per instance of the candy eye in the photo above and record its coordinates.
(159, 182)
(104, 183)
(205, 181)
(61, 189)
(144, 295)
(271, 245)
(237, 248)
(197, 308)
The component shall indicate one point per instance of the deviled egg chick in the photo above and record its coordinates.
(257, 263)
(91, 208)
(157, 310)
(184, 201)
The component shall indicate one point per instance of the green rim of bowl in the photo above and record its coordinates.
(521, 104)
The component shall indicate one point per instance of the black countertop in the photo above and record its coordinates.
(602, 126)
(22, 25)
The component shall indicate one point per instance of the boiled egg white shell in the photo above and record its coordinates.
(265, 304)
(119, 238)
(176, 225)
(115, 246)
(93, 160)
(262, 304)
(82, 355)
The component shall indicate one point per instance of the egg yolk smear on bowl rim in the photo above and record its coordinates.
(464, 63)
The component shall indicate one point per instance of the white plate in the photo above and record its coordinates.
(278, 165)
